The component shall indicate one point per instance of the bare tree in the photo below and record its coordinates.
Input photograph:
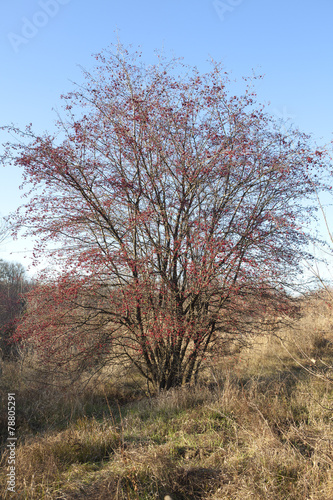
(4, 229)
(178, 210)
(13, 285)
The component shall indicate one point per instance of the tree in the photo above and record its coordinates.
(177, 212)
(13, 285)
(4, 229)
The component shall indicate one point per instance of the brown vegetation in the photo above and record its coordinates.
(257, 426)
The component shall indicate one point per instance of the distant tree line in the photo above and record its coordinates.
(13, 285)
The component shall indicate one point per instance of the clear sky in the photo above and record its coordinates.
(43, 42)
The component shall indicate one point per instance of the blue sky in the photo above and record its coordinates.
(43, 42)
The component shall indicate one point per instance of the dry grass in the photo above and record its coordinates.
(260, 428)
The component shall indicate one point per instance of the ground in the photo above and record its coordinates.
(257, 426)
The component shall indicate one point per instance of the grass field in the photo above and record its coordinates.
(258, 426)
